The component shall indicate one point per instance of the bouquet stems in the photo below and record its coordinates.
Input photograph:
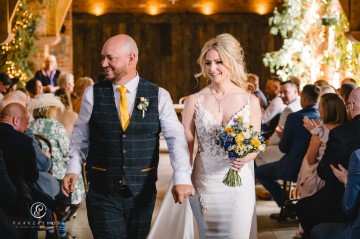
(232, 179)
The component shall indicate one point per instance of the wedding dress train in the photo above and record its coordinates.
(173, 221)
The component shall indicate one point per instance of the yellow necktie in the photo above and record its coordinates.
(124, 113)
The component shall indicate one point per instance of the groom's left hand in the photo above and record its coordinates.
(181, 192)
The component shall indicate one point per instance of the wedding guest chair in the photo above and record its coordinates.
(291, 197)
(63, 211)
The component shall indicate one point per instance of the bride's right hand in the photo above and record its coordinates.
(238, 163)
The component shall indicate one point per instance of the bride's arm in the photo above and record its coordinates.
(188, 116)
(255, 120)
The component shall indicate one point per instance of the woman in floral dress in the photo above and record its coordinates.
(45, 108)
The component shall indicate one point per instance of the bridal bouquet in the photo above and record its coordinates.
(238, 140)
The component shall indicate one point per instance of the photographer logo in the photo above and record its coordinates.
(38, 210)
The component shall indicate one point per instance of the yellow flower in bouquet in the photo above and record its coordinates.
(238, 140)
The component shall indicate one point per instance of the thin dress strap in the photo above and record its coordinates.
(197, 98)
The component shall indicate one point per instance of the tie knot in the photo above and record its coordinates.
(122, 90)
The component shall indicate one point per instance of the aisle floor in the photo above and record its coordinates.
(267, 228)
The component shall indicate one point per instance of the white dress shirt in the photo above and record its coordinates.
(290, 108)
(171, 128)
(275, 107)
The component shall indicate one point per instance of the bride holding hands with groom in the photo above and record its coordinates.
(120, 142)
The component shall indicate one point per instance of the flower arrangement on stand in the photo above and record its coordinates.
(306, 49)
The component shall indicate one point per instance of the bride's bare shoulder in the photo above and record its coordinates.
(191, 100)
(200, 94)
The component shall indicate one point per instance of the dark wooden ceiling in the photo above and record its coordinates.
(154, 7)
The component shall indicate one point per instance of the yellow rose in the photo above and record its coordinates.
(228, 130)
(238, 139)
(240, 118)
(255, 142)
(139, 107)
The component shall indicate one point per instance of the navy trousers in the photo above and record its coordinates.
(120, 215)
(268, 174)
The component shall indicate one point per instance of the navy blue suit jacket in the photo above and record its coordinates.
(294, 142)
(351, 201)
(20, 162)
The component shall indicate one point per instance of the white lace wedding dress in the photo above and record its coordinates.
(220, 211)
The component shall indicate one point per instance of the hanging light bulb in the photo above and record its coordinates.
(173, 1)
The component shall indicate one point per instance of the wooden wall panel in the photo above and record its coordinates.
(169, 45)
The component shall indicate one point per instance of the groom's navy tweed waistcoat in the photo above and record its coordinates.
(115, 154)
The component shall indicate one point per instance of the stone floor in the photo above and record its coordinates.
(267, 228)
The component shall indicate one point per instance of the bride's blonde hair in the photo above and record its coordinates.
(232, 56)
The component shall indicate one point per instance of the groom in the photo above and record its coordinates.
(118, 132)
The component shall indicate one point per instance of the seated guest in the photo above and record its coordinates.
(66, 82)
(345, 90)
(46, 182)
(5, 83)
(17, 96)
(325, 205)
(20, 160)
(34, 87)
(296, 81)
(294, 143)
(327, 89)
(332, 114)
(351, 204)
(321, 83)
(270, 116)
(45, 109)
(290, 97)
(13, 85)
(254, 81)
(80, 85)
(7, 200)
(48, 75)
(348, 80)
(67, 117)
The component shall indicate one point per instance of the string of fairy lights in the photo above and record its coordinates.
(13, 60)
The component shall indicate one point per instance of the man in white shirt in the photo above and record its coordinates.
(270, 116)
(290, 97)
(118, 133)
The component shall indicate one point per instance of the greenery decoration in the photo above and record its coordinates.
(345, 56)
(14, 55)
(300, 26)
(303, 25)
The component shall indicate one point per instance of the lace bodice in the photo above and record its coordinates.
(206, 127)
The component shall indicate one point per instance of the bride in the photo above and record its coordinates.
(220, 211)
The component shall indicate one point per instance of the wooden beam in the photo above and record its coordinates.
(54, 20)
(351, 9)
(353, 36)
(7, 13)
(56, 16)
(62, 9)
